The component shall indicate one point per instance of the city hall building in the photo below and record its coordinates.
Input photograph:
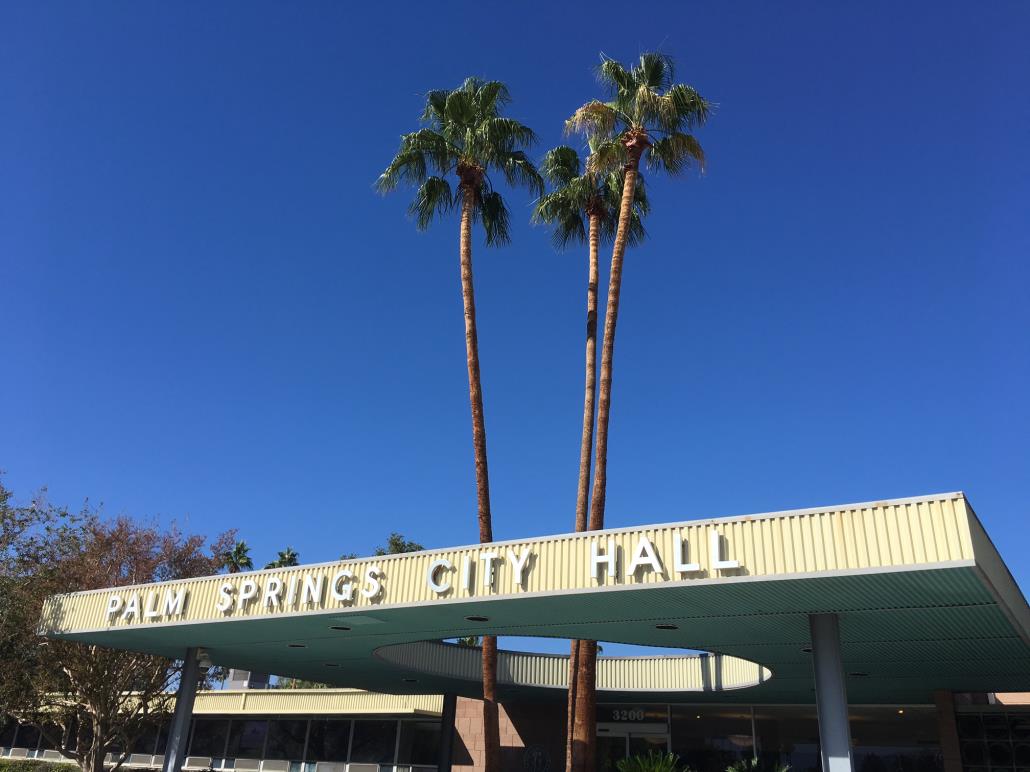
(859, 637)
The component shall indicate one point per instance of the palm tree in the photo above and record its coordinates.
(579, 194)
(238, 558)
(464, 136)
(648, 115)
(287, 557)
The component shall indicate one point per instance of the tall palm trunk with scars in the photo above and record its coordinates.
(471, 179)
(586, 446)
(585, 725)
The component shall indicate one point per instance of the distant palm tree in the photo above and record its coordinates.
(238, 558)
(595, 197)
(648, 114)
(465, 136)
(287, 558)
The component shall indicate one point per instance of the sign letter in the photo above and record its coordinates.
(372, 585)
(439, 587)
(518, 564)
(224, 597)
(717, 563)
(644, 554)
(341, 588)
(679, 547)
(609, 559)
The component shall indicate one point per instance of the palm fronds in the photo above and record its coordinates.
(646, 111)
(465, 134)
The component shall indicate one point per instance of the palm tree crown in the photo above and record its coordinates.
(287, 557)
(464, 135)
(238, 558)
(647, 111)
(577, 193)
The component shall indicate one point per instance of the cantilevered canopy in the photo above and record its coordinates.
(923, 597)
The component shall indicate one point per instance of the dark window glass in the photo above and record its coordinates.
(895, 739)
(420, 743)
(788, 735)
(286, 739)
(7, 728)
(209, 737)
(328, 741)
(710, 739)
(50, 737)
(246, 739)
(146, 739)
(28, 736)
(162, 737)
(374, 742)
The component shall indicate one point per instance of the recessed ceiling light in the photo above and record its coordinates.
(477, 618)
(666, 626)
(901, 711)
(341, 628)
(297, 645)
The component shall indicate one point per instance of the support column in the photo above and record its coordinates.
(951, 752)
(830, 694)
(446, 749)
(179, 732)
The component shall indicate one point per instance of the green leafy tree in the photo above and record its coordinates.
(87, 701)
(298, 683)
(286, 559)
(396, 544)
(237, 558)
(583, 206)
(465, 138)
(647, 117)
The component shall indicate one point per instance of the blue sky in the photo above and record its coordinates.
(207, 314)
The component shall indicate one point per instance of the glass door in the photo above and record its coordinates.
(642, 744)
(617, 743)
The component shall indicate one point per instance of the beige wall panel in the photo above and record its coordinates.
(882, 535)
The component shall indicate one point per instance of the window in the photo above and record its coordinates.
(374, 742)
(420, 743)
(7, 733)
(28, 736)
(895, 739)
(788, 735)
(286, 739)
(328, 741)
(147, 738)
(710, 739)
(209, 737)
(246, 739)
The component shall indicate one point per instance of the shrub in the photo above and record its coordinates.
(654, 761)
(754, 765)
(35, 765)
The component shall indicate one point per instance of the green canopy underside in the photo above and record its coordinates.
(904, 634)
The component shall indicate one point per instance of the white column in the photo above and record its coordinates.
(830, 694)
(179, 732)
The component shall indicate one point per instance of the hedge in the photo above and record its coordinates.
(36, 765)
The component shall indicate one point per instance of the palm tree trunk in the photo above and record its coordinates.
(586, 719)
(585, 446)
(491, 729)
(590, 387)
